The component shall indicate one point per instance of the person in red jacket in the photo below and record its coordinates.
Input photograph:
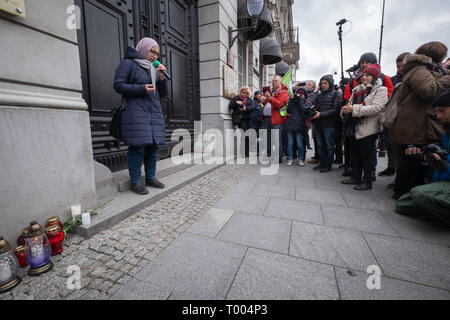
(273, 112)
(366, 60)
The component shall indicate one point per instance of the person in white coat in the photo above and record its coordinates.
(365, 106)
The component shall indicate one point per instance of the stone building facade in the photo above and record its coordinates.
(56, 69)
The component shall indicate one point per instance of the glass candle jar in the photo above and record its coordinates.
(22, 237)
(37, 250)
(8, 267)
(56, 238)
(53, 221)
(20, 254)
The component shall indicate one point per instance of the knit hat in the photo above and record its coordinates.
(368, 57)
(374, 70)
(443, 100)
(145, 45)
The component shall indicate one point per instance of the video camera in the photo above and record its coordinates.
(426, 157)
(310, 112)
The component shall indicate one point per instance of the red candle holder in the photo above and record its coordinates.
(56, 238)
(23, 235)
(20, 254)
(53, 221)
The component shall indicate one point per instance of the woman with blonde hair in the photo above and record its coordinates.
(242, 107)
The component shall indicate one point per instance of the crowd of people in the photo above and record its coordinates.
(406, 116)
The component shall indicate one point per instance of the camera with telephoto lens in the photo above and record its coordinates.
(310, 112)
(426, 157)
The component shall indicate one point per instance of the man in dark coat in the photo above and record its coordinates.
(143, 125)
(326, 103)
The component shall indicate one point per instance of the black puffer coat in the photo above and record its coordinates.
(237, 114)
(327, 103)
(296, 121)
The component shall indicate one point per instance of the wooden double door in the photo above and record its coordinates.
(107, 28)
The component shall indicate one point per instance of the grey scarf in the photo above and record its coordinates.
(144, 63)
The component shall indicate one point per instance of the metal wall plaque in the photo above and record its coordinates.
(230, 82)
(16, 7)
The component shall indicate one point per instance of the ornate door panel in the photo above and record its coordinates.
(107, 28)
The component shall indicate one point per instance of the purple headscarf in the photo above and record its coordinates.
(145, 45)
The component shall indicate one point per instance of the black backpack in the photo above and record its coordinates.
(115, 127)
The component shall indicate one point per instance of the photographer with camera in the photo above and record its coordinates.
(327, 104)
(364, 108)
(415, 122)
(432, 199)
(242, 107)
(295, 125)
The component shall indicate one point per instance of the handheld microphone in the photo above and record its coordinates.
(156, 64)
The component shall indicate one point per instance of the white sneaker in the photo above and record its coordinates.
(289, 163)
(301, 163)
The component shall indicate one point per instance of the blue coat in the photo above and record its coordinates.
(443, 176)
(142, 120)
(297, 121)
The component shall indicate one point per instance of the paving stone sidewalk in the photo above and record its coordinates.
(235, 234)
(300, 235)
(115, 256)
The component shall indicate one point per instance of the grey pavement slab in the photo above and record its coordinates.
(294, 181)
(357, 219)
(377, 189)
(194, 267)
(285, 171)
(308, 173)
(428, 230)
(257, 231)
(294, 210)
(320, 196)
(140, 290)
(369, 202)
(329, 245)
(274, 191)
(243, 188)
(211, 222)
(258, 178)
(242, 202)
(354, 287)
(268, 276)
(415, 261)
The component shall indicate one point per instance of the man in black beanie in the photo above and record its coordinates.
(432, 199)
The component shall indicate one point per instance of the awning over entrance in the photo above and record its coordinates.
(270, 51)
(282, 68)
(265, 24)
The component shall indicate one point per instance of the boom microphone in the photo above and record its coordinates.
(156, 64)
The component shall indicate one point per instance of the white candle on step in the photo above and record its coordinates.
(75, 209)
(86, 218)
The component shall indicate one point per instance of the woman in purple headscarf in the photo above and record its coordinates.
(143, 126)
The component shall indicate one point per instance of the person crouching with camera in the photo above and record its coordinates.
(365, 105)
(295, 125)
(143, 127)
(432, 199)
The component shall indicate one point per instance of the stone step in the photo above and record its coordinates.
(126, 204)
(164, 168)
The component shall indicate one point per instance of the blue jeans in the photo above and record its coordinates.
(291, 135)
(325, 144)
(135, 157)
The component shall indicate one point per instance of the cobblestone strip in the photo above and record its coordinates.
(111, 258)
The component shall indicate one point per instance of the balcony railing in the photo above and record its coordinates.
(291, 36)
(290, 46)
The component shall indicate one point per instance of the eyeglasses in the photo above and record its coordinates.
(155, 53)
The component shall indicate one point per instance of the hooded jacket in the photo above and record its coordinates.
(419, 87)
(142, 120)
(370, 112)
(327, 103)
